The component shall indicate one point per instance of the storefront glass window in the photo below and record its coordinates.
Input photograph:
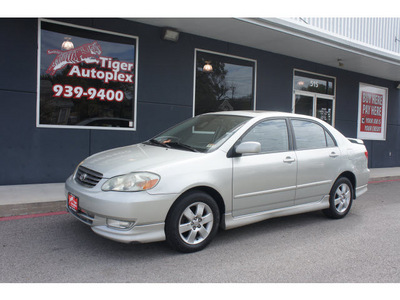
(87, 78)
(223, 83)
(313, 84)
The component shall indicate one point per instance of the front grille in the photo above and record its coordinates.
(87, 177)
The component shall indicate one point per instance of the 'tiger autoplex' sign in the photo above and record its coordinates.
(89, 53)
(372, 111)
(90, 83)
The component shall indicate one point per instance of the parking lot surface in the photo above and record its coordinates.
(363, 247)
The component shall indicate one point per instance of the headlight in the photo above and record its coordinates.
(132, 182)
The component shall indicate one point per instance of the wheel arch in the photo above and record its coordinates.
(208, 190)
(178, 239)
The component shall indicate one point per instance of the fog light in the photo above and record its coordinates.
(119, 224)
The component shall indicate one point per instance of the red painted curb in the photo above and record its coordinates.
(380, 181)
(33, 216)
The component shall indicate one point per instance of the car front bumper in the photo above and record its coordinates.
(146, 213)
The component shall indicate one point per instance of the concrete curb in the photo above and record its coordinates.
(24, 199)
(10, 210)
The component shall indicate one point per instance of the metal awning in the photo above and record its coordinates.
(292, 39)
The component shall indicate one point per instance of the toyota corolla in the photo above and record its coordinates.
(218, 170)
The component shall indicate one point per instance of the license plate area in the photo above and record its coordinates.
(73, 202)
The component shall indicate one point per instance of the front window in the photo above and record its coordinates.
(271, 134)
(203, 133)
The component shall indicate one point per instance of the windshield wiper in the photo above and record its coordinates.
(154, 141)
(184, 146)
(172, 145)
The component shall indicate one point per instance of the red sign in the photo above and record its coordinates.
(73, 202)
(371, 112)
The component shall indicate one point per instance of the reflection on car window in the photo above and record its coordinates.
(271, 134)
(310, 135)
(203, 133)
(329, 141)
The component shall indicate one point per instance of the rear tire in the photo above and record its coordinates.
(192, 222)
(340, 199)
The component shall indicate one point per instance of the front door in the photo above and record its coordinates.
(266, 180)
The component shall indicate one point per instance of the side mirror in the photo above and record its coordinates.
(248, 147)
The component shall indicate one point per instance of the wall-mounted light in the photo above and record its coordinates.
(170, 34)
(67, 44)
(207, 67)
(398, 85)
(340, 62)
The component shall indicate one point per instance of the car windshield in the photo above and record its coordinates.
(203, 133)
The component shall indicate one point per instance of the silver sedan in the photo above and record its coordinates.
(218, 170)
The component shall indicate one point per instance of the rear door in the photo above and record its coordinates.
(318, 159)
(266, 180)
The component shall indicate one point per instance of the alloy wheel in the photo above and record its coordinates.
(196, 223)
(342, 197)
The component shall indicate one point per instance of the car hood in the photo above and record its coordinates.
(135, 158)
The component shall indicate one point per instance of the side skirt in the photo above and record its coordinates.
(361, 190)
(230, 222)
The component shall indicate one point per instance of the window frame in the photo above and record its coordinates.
(315, 95)
(196, 50)
(326, 132)
(288, 129)
(291, 136)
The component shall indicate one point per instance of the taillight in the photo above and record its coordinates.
(366, 154)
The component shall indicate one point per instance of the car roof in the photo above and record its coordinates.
(259, 114)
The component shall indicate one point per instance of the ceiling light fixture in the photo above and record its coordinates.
(67, 44)
(207, 67)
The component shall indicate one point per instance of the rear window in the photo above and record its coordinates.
(310, 135)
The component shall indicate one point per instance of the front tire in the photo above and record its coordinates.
(340, 199)
(192, 222)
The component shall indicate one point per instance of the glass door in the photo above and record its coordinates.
(304, 105)
(325, 110)
(314, 95)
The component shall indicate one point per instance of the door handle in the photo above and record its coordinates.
(333, 154)
(288, 159)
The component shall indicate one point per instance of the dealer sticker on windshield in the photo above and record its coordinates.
(73, 202)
